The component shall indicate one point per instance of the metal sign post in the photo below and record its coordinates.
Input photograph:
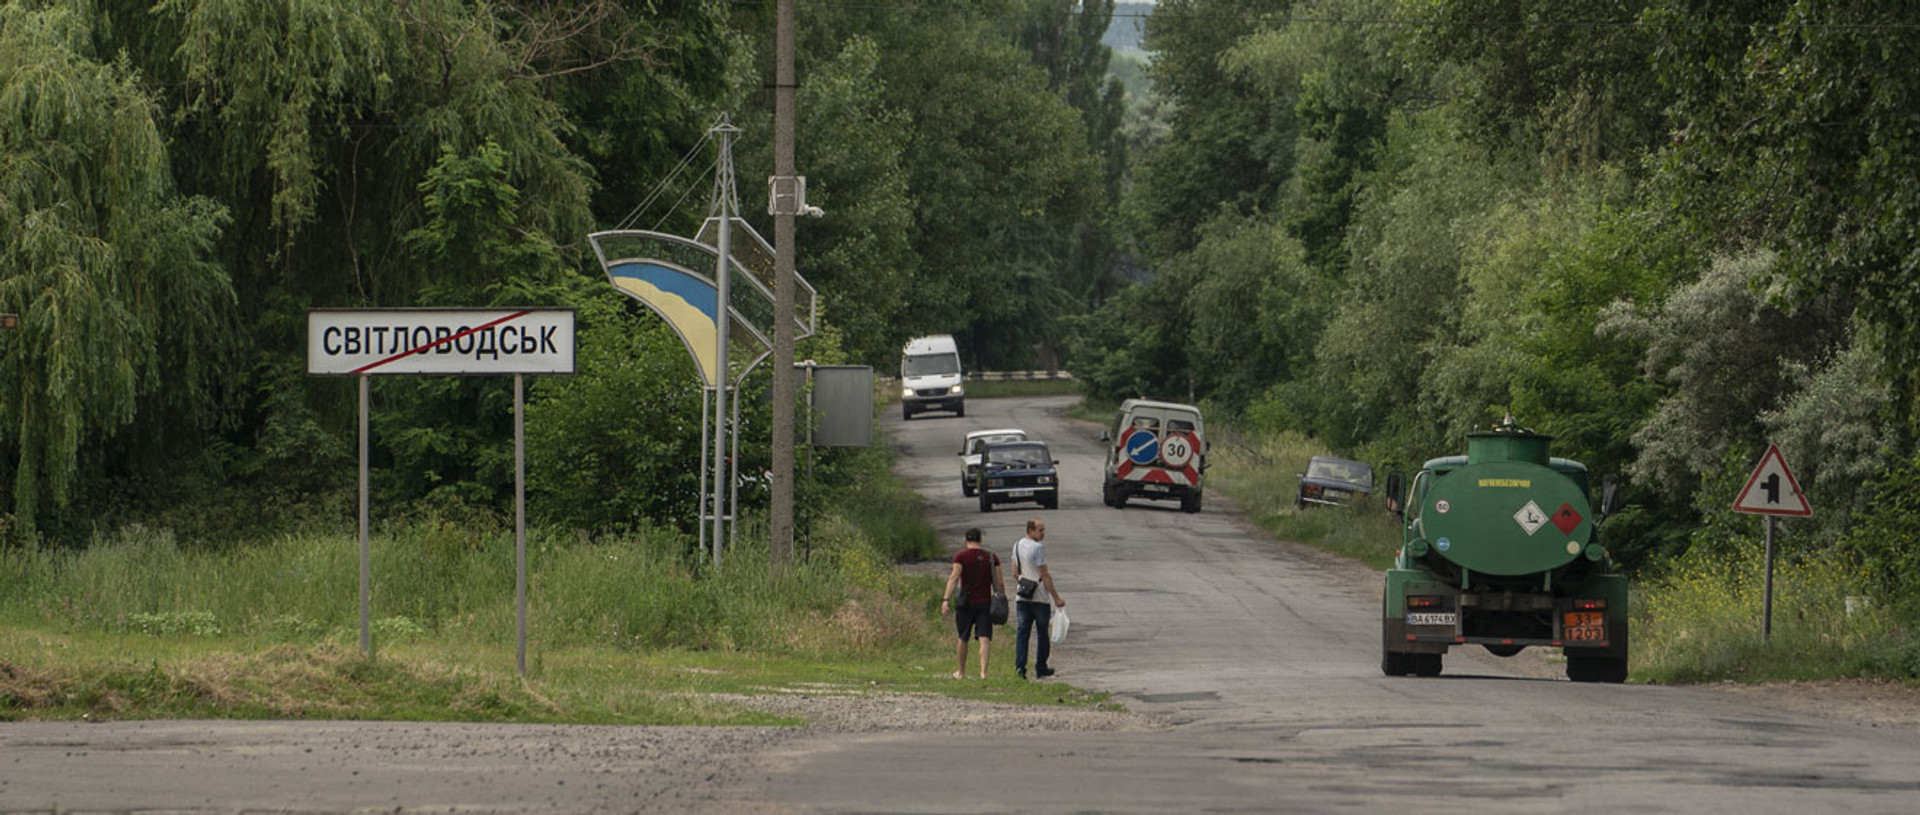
(520, 520)
(1771, 491)
(364, 343)
(725, 319)
(1766, 596)
(722, 196)
(366, 546)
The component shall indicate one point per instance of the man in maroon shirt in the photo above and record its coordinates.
(976, 572)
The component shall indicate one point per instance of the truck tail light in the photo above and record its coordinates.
(1590, 603)
(1426, 602)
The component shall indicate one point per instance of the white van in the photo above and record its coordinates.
(930, 377)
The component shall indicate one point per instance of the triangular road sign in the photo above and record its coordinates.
(1772, 490)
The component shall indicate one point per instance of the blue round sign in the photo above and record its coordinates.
(1143, 447)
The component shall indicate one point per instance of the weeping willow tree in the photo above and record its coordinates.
(103, 262)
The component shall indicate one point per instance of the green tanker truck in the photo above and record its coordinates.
(1499, 549)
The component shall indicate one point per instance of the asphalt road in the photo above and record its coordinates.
(1261, 658)
(1264, 656)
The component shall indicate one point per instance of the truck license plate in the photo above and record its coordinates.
(1430, 618)
(1155, 488)
(1020, 494)
(1583, 626)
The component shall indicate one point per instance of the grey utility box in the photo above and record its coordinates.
(842, 404)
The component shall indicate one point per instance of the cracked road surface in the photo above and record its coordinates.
(1256, 662)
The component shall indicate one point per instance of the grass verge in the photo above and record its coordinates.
(627, 629)
(1021, 387)
(1261, 475)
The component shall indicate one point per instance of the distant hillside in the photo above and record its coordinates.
(1123, 35)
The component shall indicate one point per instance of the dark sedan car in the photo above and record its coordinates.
(1331, 480)
(1018, 471)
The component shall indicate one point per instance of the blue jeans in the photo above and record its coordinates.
(1030, 616)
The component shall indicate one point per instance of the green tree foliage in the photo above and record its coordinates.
(1255, 305)
(1065, 39)
(1340, 68)
(1798, 132)
(1231, 145)
(444, 152)
(1570, 81)
(1134, 345)
(849, 145)
(1664, 231)
(122, 316)
(619, 441)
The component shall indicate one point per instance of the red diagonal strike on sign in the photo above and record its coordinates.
(442, 341)
(1565, 519)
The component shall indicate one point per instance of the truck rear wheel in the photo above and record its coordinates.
(1190, 503)
(1106, 493)
(1394, 663)
(1426, 664)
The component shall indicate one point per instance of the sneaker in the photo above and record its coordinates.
(1039, 672)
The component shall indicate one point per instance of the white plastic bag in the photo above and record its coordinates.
(1057, 630)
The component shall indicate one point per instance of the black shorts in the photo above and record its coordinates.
(975, 619)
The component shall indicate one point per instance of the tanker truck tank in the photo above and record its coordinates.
(1500, 548)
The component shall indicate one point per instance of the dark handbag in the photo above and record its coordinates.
(1027, 585)
(997, 610)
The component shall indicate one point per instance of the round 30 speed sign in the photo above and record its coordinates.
(1176, 449)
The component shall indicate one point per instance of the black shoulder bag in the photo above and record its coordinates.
(1027, 585)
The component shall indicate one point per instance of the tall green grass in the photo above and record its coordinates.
(435, 580)
(1701, 619)
(1261, 474)
(999, 389)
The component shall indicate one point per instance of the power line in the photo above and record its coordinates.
(638, 209)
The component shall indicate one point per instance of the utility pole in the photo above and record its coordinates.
(780, 524)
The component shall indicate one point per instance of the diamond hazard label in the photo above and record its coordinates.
(1531, 518)
(1566, 518)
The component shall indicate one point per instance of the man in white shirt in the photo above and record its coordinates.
(1030, 563)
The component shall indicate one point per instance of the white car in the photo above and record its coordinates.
(970, 449)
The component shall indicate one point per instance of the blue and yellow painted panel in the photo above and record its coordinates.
(687, 301)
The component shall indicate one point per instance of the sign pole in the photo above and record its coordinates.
(1771, 491)
(364, 343)
(723, 320)
(1766, 601)
(520, 514)
(706, 418)
(366, 549)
